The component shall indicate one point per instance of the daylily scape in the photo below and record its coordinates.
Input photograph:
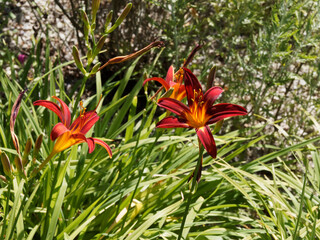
(200, 111)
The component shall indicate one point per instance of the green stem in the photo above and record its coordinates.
(83, 85)
(35, 171)
(193, 185)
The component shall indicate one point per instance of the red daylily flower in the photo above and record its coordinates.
(200, 113)
(173, 81)
(68, 134)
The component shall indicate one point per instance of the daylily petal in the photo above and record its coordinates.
(223, 110)
(51, 106)
(172, 122)
(67, 140)
(92, 141)
(211, 95)
(58, 130)
(159, 80)
(170, 74)
(174, 106)
(84, 123)
(65, 111)
(89, 123)
(191, 84)
(91, 144)
(206, 138)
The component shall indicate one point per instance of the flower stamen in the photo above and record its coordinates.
(82, 109)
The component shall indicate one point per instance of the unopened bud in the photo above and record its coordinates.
(168, 93)
(86, 25)
(108, 20)
(191, 55)
(26, 152)
(6, 165)
(99, 45)
(121, 59)
(77, 60)
(89, 56)
(19, 166)
(37, 147)
(211, 77)
(95, 68)
(3, 178)
(217, 127)
(120, 19)
(95, 7)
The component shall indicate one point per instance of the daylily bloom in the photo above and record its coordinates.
(173, 81)
(200, 113)
(68, 134)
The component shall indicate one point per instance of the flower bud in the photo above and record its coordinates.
(95, 7)
(37, 147)
(211, 77)
(217, 127)
(168, 93)
(99, 45)
(19, 166)
(13, 117)
(76, 57)
(191, 55)
(120, 19)
(26, 152)
(3, 178)
(86, 25)
(121, 59)
(95, 68)
(108, 20)
(89, 56)
(6, 165)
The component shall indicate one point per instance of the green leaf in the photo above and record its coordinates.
(151, 220)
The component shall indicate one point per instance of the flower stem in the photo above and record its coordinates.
(82, 88)
(35, 171)
(192, 189)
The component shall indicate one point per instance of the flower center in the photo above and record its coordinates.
(82, 112)
(179, 76)
(198, 116)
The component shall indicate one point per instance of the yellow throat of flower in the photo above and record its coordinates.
(178, 76)
(198, 116)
